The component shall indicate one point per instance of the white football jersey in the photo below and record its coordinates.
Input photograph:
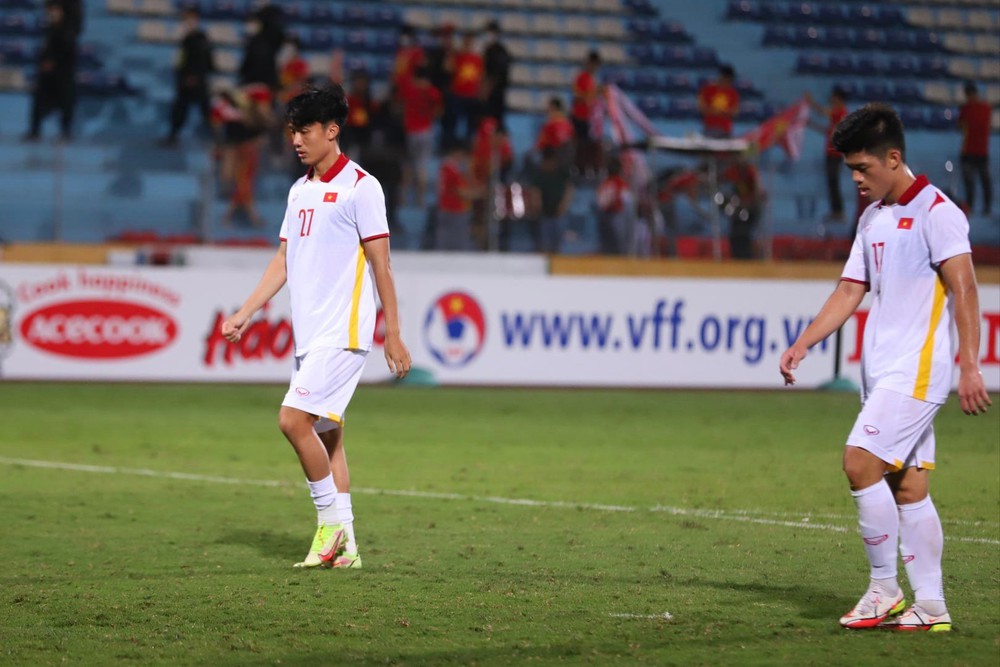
(897, 253)
(330, 283)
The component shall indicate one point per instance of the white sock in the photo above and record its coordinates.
(324, 495)
(921, 542)
(345, 514)
(879, 521)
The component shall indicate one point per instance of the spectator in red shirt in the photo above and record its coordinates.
(834, 113)
(456, 192)
(409, 55)
(586, 92)
(718, 103)
(463, 101)
(557, 131)
(613, 210)
(422, 105)
(294, 72)
(974, 121)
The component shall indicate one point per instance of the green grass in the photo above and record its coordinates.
(105, 568)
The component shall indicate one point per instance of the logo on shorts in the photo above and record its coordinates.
(455, 329)
(871, 430)
(908, 559)
(301, 391)
(875, 541)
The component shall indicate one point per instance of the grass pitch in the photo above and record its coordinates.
(497, 527)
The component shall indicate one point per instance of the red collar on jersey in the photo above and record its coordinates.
(337, 167)
(913, 190)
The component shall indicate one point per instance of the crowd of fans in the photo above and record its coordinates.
(448, 100)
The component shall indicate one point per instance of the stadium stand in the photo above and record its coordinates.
(913, 53)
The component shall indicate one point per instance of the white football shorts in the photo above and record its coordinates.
(898, 429)
(323, 384)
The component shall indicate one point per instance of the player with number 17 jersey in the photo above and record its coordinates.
(897, 254)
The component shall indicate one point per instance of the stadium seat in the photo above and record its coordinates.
(671, 32)
(939, 93)
(830, 14)
(17, 53)
(923, 41)
(875, 91)
(651, 105)
(958, 43)
(801, 13)
(776, 35)
(870, 38)
(907, 91)
(812, 63)
(742, 10)
(675, 56)
(941, 119)
(861, 15)
(323, 14)
(989, 69)
(897, 39)
(640, 29)
(912, 117)
(950, 19)
(22, 25)
(643, 53)
(963, 68)
(901, 67)
(682, 108)
(889, 15)
(578, 25)
(704, 56)
(648, 81)
(839, 63)
(679, 83)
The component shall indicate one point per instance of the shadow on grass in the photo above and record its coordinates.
(281, 546)
(813, 603)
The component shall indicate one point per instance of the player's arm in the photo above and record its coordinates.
(270, 283)
(396, 354)
(838, 308)
(960, 278)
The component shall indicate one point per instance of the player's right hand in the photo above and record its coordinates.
(789, 362)
(233, 328)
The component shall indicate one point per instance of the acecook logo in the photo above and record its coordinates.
(98, 329)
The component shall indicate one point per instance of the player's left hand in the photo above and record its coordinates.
(972, 394)
(397, 356)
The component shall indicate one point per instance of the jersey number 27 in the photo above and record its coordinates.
(306, 218)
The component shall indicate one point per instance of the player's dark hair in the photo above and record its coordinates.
(318, 105)
(874, 128)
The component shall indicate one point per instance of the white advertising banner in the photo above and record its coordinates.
(84, 323)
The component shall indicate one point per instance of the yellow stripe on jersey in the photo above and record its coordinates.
(336, 418)
(359, 279)
(927, 351)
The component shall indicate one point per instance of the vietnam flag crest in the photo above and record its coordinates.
(330, 197)
(905, 223)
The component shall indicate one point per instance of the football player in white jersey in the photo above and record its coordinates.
(334, 257)
(912, 253)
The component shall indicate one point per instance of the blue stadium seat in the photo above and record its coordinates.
(875, 91)
(623, 78)
(924, 41)
(88, 57)
(850, 89)
(865, 65)
(812, 63)
(323, 14)
(226, 10)
(675, 56)
(742, 10)
(382, 68)
(889, 15)
(324, 39)
(642, 53)
(651, 105)
(682, 108)
(837, 37)
(912, 117)
(646, 80)
(803, 12)
(672, 32)
(941, 119)
(840, 63)
(933, 67)
(901, 66)
(752, 111)
(384, 42)
(897, 39)
(17, 53)
(746, 88)
(861, 15)
(679, 83)
(386, 17)
(870, 38)
(640, 7)
(640, 29)
(830, 14)
(297, 12)
(22, 25)
(777, 35)
(908, 92)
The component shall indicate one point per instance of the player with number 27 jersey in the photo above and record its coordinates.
(329, 279)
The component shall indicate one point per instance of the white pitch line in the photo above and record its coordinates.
(665, 616)
(740, 516)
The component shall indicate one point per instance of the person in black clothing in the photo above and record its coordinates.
(265, 32)
(437, 57)
(194, 65)
(386, 154)
(55, 87)
(496, 63)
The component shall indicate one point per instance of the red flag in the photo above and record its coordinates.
(905, 223)
(330, 197)
(786, 129)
